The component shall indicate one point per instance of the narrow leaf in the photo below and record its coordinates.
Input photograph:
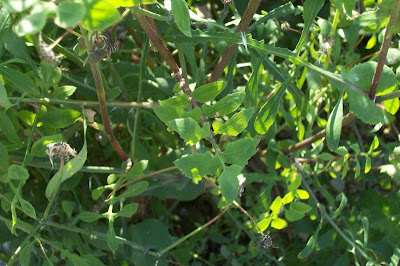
(334, 126)
(27, 208)
(236, 124)
(308, 249)
(4, 102)
(89, 217)
(225, 106)
(7, 128)
(180, 11)
(252, 84)
(111, 239)
(19, 80)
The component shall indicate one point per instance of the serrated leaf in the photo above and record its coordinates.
(197, 165)
(229, 183)
(39, 147)
(89, 217)
(100, 14)
(334, 126)
(266, 116)
(69, 169)
(225, 106)
(188, 129)
(167, 113)
(27, 208)
(343, 202)
(68, 14)
(180, 11)
(8, 129)
(209, 91)
(17, 172)
(236, 124)
(19, 80)
(60, 118)
(311, 9)
(128, 210)
(278, 223)
(240, 151)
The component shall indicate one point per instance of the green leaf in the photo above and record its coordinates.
(240, 151)
(27, 208)
(252, 84)
(367, 165)
(17, 6)
(266, 116)
(97, 192)
(361, 76)
(209, 91)
(4, 102)
(19, 80)
(229, 183)
(343, 201)
(311, 9)
(334, 125)
(60, 118)
(133, 190)
(129, 3)
(111, 239)
(51, 76)
(17, 172)
(68, 207)
(180, 11)
(128, 210)
(276, 204)
(168, 113)
(8, 129)
(293, 215)
(300, 206)
(374, 145)
(39, 147)
(278, 223)
(137, 170)
(31, 24)
(236, 124)
(295, 184)
(225, 106)
(100, 14)
(197, 165)
(68, 14)
(189, 130)
(25, 254)
(4, 164)
(312, 241)
(69, 169)
(90, 217)
(64, 92)
(264, 224)
(181, 101)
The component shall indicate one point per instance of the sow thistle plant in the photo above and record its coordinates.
(285, 154)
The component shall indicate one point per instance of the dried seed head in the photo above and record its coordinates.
(61, 150)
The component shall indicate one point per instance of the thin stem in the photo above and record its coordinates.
(324, 213)
(102, 100)
(84, 103)
(384, 50)
(153, 15)
(228, 53)
(346, 120)
(165, 250)
(388, 96)
(28, 146)
(20, 247)
(53, 196)
(142, 71)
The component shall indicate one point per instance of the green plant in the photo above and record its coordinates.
(240, 138)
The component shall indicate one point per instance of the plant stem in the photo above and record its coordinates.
(102, 99)
(53, 196)
(142, 71)
(28, 146)
(384, 50)
(165, 250)
(324, 213)
(84, 103)
(228, 53)
(346, 120)
(153, 15)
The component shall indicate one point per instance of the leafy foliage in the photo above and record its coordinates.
(248, 133)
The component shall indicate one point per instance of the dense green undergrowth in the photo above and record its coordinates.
(144, 132)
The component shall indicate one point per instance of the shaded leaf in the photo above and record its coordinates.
(128, 210)
(4, 102)
(312, 241)
(8, 129)
(334, 125)
(209, 91)
(89, 217)
(225, 106)
(229, 183)
(189, 130)
(236, 124)
(240, 151)
(39, 147)
(19, 80)
(60, 118)
(27, 208)
(197, 165)
(17, 172)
